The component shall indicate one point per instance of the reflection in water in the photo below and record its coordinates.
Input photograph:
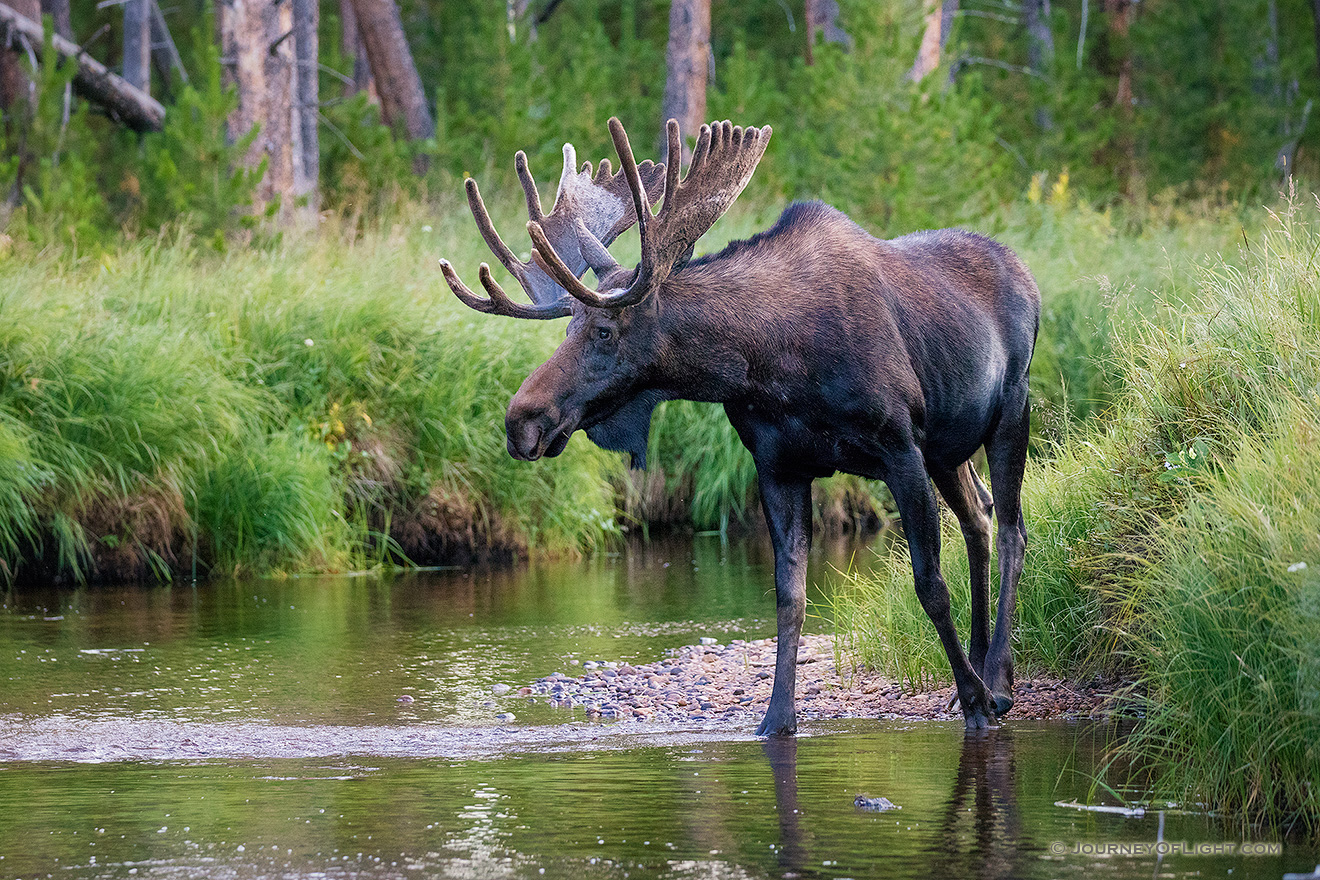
(717, 808)
(342, 650)
(980, 834)
(781, 751)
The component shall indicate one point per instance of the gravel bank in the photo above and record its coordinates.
(732, 682)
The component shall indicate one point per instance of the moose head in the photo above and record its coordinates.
(601, 377)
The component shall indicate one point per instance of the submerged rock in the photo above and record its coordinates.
(875, 805)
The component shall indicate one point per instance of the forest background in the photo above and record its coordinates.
(290, 129)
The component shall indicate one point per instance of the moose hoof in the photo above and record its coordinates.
(979, 712)
(979, 721)
(777, 725)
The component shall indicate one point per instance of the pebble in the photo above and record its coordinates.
(500, 690)
(734, 681)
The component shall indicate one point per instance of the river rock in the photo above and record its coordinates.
(733, 683)
(875, 805)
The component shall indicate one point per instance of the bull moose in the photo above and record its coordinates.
(831, 350)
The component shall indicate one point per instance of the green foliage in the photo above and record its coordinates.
(1231, 671)
(192, 176)
(1099, 272)
(702, 458)
(119, 413)
(365, 167)
(51, 157)
(269, 413)
(19, 478)
(271, 503)
(1220, 92)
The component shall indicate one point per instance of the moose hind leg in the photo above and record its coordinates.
(910, 486)
(1006, 454)
(787, 505)
(971, 504)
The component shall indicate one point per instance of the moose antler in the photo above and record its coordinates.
(597, 208)
(725, 157)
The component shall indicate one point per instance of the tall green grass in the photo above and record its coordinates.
(1175, 540)
(19, 477)
(1229, 649)
(142, 383)
(166, 402)
(1227, 629)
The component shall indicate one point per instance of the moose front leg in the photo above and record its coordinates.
(787, 504)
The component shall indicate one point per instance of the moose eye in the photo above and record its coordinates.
(604, 334)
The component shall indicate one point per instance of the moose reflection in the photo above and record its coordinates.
(831, 350)
(981, 831)
(978, 831)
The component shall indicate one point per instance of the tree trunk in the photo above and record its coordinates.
(1040, 39)
(402, 101)
(1040, 48)
(307, 18)
(164, 54)
(1119, 63)
(1120, 52)
(350, 46)
(137, 44)
(823, 17)
(15, 87)
(687, 65)
(259, 46)
(92, 80)
(939, 21)
(58, 10)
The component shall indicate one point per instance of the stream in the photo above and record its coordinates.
(336, 727)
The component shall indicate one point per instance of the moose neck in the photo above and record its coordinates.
(709, 335)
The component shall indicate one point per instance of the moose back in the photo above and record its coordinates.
(831, 350)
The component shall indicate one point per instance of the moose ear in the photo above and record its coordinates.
(628, 429)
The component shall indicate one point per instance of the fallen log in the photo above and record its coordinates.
(93, 81)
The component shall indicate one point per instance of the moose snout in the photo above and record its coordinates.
(534, 430)
(523, 438)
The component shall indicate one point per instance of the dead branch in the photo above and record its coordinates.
(94, 81)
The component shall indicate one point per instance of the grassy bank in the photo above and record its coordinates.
(323, 403)
(1177, 539)
(311, 405)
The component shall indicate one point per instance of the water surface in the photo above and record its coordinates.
(256, 730)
